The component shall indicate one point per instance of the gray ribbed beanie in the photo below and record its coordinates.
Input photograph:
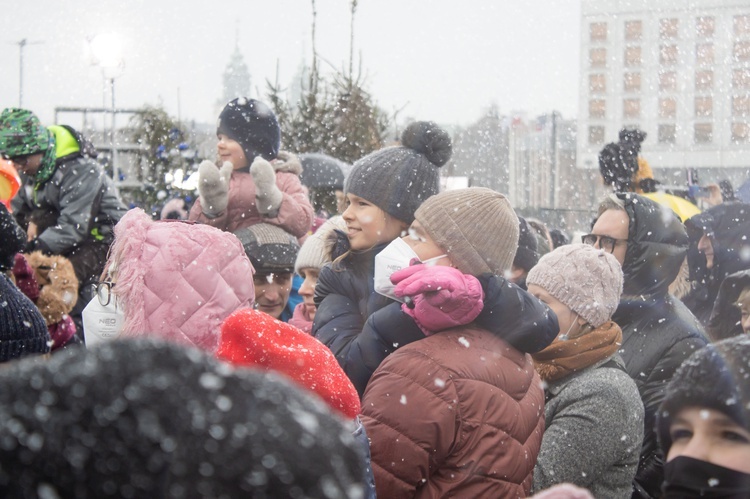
(398, 179)
(585, 279)
(269, 248)
(476, 227)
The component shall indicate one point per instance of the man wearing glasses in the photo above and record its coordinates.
(67, 204)
(658, 331)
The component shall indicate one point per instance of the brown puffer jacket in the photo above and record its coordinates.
(457, 414)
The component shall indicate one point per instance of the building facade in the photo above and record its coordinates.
(678, 70)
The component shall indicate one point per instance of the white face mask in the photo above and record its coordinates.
(102, 323)
(396, 256)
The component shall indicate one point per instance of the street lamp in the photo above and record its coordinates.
(106, 50)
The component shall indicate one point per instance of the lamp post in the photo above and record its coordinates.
(106, 49)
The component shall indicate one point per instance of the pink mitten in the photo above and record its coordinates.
(441, 297)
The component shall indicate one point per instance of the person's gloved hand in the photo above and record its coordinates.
(267, 195)
(438, 297)
(213, 187)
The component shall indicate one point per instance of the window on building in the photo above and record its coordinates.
(704, 80)
(741, 105)
(668, 55)
(597, 109)
(742, 51)
(704, 53)
(704, 106)
(597, 84)
(668, 81)
(633, 30)
(598, 57)
(632, 82)
(632, 56)
(667, 134)
(598, 32)
(667, 108)
(705, 26)
(742, 25)
(631, 108)
(596, 135)
(740, 133)
(668, 28)
(741, 78)
(703, 133)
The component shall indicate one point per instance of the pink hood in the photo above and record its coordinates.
(178, 280)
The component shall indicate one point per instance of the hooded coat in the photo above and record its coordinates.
(728, 228)
(658, 331)
(726, 317)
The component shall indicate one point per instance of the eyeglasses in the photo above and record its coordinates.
(104, 292)
(605, 242)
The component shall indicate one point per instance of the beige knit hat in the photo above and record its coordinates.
(313, 254)
(585, 279)
(476, 227)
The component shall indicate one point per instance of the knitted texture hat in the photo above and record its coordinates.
(476, 227)
(270, 248)
(22, 328)
(398, 179)
(526, 254)
(253, 125)
(136, 418)
(253, 338)
(715, 377)
(314, 254)
(585, 279)
(22, 133)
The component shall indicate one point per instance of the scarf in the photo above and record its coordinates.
(48, 165)
(565, 357)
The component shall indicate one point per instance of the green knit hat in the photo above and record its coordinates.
(22, 133)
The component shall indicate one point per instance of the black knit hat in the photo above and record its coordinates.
(253, 125)
(527, 254)
(136, 418)
(22, 327)
(715, 377)
(398, 179)
(270, 248)
(12, 239)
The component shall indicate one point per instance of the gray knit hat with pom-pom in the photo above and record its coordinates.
(398, 179)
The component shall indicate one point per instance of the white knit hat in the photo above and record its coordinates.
(585, 279)
(313, 253)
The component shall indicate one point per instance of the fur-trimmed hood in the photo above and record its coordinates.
(178, 280)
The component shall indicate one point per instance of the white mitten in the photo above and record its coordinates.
(213, 187)
(267, 195)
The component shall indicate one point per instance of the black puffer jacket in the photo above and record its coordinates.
(346, 297)
(728, 227)
(726, 317)
(509, 312)
(658, 331)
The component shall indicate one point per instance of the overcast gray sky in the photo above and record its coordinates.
(448, 59)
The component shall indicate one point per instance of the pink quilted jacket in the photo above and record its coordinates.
(178, 280)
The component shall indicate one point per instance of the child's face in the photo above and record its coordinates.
(231, 150)
(307, 290)
(423, 245)
(709, 435)
(368, 225)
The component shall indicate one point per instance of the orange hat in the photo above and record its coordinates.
(10, 182)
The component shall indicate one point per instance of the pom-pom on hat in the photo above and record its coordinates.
(476, 227)
(22, 328)
(585, 279)
(270, 248)
(253, 125)
(253, 338)
(398, 179)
